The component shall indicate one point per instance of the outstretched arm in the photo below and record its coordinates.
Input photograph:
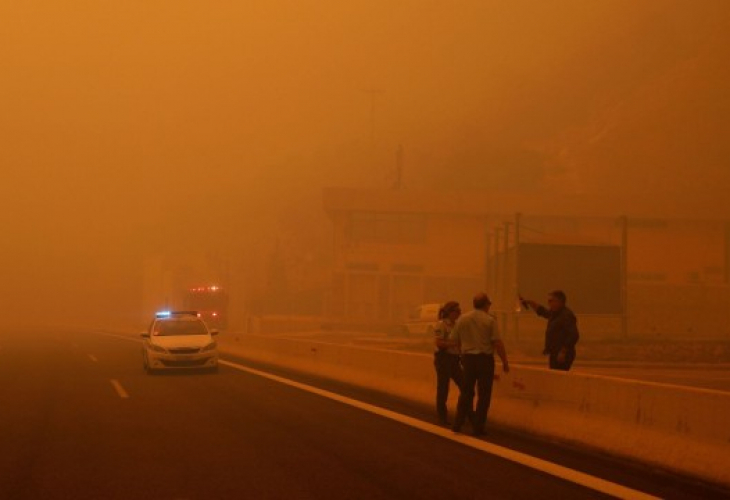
(539, 310)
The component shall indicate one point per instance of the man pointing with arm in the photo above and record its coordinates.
(561, 333)
(478, 338)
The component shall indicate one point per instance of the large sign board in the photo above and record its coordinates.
(589, 275)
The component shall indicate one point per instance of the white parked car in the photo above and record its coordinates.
(179, 340)
(420, 319)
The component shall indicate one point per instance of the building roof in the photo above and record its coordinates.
(539, 203)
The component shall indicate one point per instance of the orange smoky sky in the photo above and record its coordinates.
(125, 124)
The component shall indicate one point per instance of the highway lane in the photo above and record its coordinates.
(81, 419)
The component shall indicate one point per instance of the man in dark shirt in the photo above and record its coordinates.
(561, 333)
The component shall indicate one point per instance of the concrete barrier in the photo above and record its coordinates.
(676, 428)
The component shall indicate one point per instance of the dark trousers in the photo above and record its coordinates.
(479, 373)
(566, 364)
(447, 369)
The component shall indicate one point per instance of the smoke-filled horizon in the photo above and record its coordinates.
(127, 127)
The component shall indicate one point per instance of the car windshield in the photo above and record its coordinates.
(173, 327)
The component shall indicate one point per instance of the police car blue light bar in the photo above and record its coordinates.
(169, 314)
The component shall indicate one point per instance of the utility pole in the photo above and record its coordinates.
(506, 303)
(498, 262)
(624, 221)
(518, 223)
(488, 273)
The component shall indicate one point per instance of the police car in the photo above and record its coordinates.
(179, 340)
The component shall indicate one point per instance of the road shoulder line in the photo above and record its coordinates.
(565, 473)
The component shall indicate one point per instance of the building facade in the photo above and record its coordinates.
(396, 249)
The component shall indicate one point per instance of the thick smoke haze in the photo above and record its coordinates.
(129, 129)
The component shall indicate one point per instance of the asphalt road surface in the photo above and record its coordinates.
(80, 419)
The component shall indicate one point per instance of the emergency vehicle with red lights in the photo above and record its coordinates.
(211, 303)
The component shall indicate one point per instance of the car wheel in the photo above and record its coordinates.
(148, 369)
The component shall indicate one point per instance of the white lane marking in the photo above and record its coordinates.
(577, 477)
(93, 358)
(118, 387)
(123, 337)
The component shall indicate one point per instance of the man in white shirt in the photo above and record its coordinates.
(478, 338)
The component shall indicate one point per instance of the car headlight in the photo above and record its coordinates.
(157, 348)
(209, 347)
